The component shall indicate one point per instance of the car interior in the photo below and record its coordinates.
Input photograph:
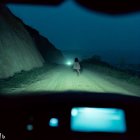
(70, 114)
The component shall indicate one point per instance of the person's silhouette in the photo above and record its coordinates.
(76, 66)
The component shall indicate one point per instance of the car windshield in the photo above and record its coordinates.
(68, 48)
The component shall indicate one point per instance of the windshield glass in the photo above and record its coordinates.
(62, 48)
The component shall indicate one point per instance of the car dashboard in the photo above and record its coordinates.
(51, 116)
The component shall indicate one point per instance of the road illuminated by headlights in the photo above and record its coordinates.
(64, 79)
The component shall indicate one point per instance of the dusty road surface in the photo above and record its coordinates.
(64, 79)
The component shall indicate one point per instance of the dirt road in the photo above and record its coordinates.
(63, 79)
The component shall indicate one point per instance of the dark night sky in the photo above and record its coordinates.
(70, 27)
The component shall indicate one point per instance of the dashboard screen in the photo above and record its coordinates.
(85, 119)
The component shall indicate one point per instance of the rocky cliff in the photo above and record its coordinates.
(17, 48)
(21, 47)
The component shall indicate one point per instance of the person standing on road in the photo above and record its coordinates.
(76, 66)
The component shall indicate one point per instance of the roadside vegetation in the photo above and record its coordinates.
(25, 77)
(98, 65)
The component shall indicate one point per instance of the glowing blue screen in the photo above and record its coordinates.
(84, 119)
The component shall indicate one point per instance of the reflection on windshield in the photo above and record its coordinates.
(68, 48)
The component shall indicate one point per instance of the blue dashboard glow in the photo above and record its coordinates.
(85, 119)
(53, 122)
(29, 127)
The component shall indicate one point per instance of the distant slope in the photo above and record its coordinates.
(48, 51)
